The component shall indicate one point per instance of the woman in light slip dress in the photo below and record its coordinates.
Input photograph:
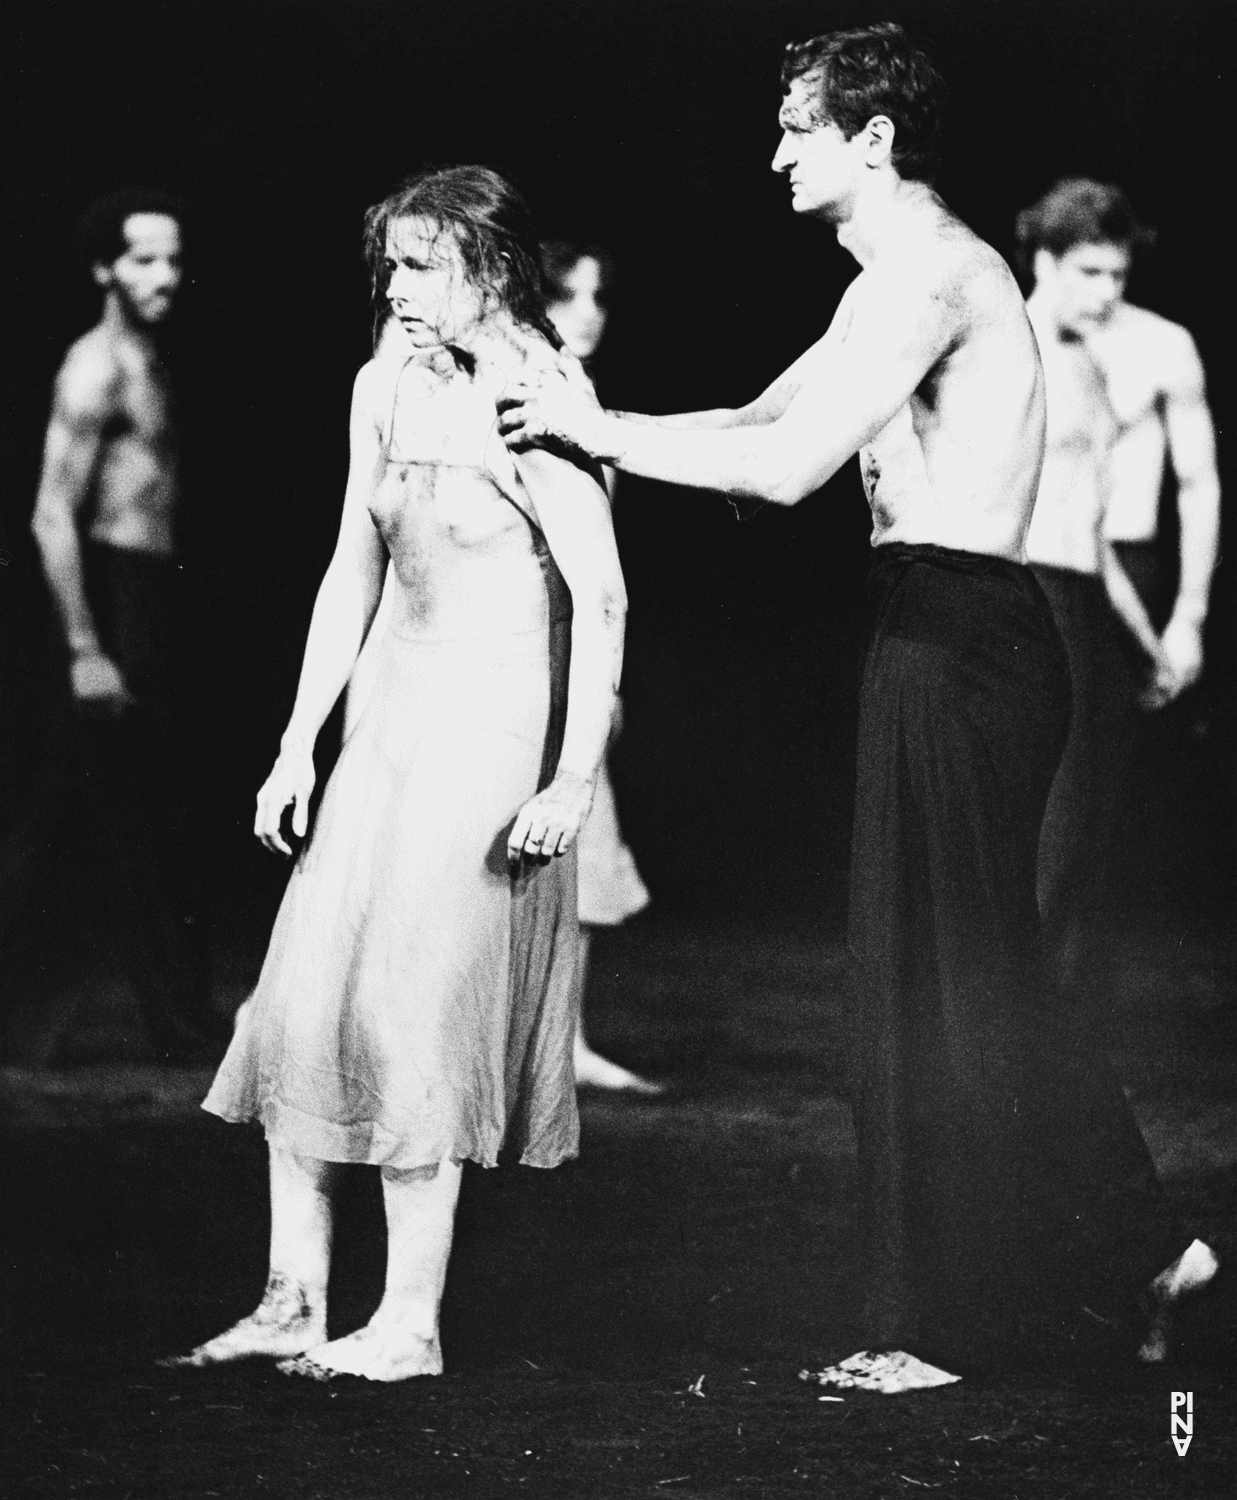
(417, 1005)
(579, 277)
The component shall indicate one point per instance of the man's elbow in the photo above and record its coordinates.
(787, 486)
(1199, 492)
(49, 527)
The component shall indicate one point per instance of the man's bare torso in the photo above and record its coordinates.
(958, 465)
(135, 482)
(1073, 488)
(1140, 354)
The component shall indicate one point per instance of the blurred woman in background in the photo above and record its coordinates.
(579, 280)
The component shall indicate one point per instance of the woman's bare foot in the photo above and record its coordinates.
(1194, 1269)
(286, 1321)
(388, 1348)
(595, 1071)
(890, 1373)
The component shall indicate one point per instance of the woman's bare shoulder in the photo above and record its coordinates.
(526, 354)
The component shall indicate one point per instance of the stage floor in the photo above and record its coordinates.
(701, 1234)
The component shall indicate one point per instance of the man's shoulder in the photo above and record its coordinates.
(1157, 346)
(1150, 335)
(90, 378)
(948, 260)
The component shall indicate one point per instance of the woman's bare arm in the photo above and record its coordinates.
(347, 599)
(574, 514)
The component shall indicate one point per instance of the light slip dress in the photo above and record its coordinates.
(416, 1000)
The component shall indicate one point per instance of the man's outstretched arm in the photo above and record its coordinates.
(767, 407)
(848, 390)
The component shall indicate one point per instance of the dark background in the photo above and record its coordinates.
(648, 125)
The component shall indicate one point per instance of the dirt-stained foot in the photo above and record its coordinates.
(383, 1350)
(286, 1321)
(1191, 1272)
(597, 1072)
(890, 1373)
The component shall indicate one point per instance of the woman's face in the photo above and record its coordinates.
(429, 292)
(580, 317)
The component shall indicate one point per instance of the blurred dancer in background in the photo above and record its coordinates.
(579, 280)
(105, 524)
(416, 1006)
(1126, 400)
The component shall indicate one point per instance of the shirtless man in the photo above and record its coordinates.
(962, 1088)
(1125, 395)
(104, 521)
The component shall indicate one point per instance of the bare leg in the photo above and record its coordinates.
(292, 1314)
(401, 1339)
(1190, 1272)
(593, 1070)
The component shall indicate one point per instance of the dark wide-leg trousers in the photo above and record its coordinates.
(1002, 1179)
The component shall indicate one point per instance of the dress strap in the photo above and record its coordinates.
(388, 442)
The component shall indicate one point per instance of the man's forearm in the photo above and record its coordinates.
(1198, 509)
(1125, 601)
(61, 554)
(745, 462)
(717, 420)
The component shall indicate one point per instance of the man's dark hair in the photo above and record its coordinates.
(101, 229)
(876, 70)
(489, 223)
(1079, 211)
(560, 257)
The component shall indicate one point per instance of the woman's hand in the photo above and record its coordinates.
(548, 824)
(291, 781)
(555, 413)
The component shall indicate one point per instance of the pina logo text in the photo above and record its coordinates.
(1182, 1425)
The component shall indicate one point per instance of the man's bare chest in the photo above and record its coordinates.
(144, 413)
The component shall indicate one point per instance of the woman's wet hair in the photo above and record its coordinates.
(488, 223)
(1079, 211)
(560, 257)
(875, 70)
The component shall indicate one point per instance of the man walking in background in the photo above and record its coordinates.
(1126, 401)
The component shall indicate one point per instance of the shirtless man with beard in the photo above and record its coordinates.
(105, 522)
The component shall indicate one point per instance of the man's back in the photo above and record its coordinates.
(1073, 488)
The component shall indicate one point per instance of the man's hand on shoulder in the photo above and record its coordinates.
(553, 410)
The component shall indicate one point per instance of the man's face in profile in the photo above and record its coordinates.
(1085, 284)
(148, 274)
(823, 166)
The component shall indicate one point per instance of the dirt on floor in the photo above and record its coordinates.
(631, 1324)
